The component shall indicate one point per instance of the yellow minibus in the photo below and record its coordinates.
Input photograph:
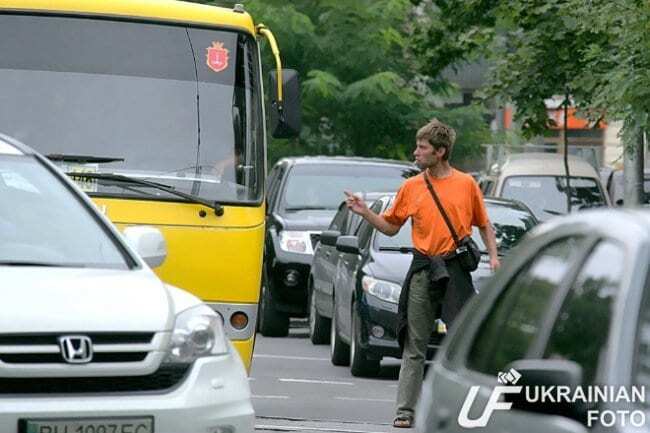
(156, 109)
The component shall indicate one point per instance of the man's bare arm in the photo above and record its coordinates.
(490, 241)
(358, 206)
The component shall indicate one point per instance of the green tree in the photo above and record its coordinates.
(595, 50)
(362, 93)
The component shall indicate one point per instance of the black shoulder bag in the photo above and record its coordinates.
(467, 251)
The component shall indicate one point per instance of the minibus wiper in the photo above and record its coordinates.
(218, 209)
(84, 159)
(403, 250)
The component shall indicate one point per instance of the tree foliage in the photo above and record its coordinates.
(596, 50)
(362, 93)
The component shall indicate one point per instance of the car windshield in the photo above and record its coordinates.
(46, 224)
(321, 186)
(509, 224)
(170, 104)
(546, 195)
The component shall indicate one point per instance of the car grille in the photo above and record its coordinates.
(119, 347)
(166, 377)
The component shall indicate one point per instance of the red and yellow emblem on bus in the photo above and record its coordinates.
(217, 57)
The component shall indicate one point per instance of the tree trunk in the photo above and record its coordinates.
(633, 168)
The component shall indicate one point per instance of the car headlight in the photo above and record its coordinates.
(296, 242)
(198, 332)
(384, 290)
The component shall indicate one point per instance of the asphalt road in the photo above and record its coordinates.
(295, 387)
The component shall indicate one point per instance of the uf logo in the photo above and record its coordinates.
(492, 405)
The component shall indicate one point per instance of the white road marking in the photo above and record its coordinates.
(297, 358)
(301, 428)
(383, 400)
(320, 382)
(280, 397)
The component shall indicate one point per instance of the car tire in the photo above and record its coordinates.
(319, 326)
(339, 349)
(360, 363)
(272, 323)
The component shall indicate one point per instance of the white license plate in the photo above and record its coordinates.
(88, 425)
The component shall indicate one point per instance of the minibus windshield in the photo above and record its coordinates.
(172, 104)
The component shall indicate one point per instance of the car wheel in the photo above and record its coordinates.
(272, 323)
(319, 326)
(339, 349)
(360, 363)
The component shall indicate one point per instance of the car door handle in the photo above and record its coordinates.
(328, 253)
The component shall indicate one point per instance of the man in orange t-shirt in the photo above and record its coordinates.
(441, 281)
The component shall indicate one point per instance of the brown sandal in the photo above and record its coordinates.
(403, 421)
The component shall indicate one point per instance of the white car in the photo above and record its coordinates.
(91, 341)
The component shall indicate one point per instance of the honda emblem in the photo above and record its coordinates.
(76, 349)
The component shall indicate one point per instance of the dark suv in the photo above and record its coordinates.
(303, 196)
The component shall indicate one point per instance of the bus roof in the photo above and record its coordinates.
(155, 10)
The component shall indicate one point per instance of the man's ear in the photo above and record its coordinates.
(440, 151)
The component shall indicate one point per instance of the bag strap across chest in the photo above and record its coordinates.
(436, 199)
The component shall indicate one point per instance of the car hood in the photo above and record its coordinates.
(38, 300)
(390, 266)
(307, 220)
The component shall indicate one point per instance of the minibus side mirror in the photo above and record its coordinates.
(285, 120)
(148, 243)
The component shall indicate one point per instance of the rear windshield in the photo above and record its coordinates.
(312, 186)
(546, 195)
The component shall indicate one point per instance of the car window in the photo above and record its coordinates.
(546, 195)
(271, 182)
(582, 327)
(277, 181)
(338, 222)
(47, 223)
(641, 370)
(364, 231)
(514, 321)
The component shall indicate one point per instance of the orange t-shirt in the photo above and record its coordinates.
(460, 197)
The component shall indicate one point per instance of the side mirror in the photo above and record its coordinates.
(285, 120)
(348, 244)
(329, 237)
(546, 373)
(148, 242)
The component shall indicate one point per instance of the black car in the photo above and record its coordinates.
(303, 196)
(369, 276)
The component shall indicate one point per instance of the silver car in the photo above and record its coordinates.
(91, 340)
(559, 339)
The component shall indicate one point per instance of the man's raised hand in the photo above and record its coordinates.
(355, 203)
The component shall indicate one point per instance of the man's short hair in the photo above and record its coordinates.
(438, 135)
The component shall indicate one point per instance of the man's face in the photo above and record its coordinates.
(426, 155)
